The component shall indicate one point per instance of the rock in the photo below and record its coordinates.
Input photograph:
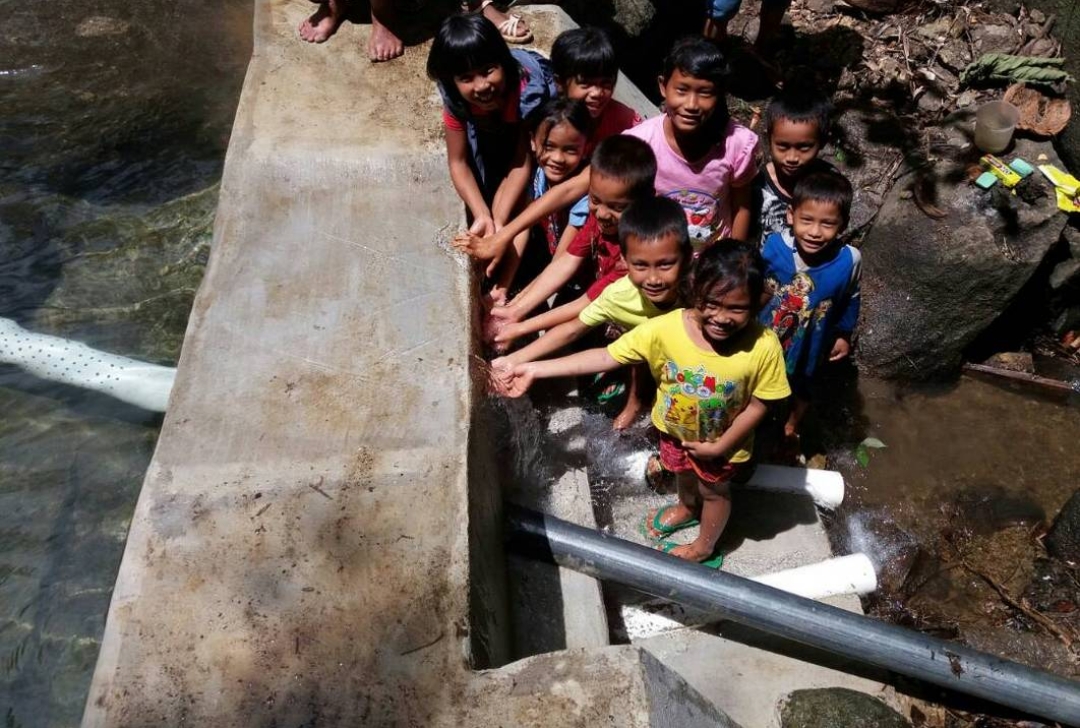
(930, 286)
(994, 38)
(1013, 361)
(876, 6)
(1068, 320)
(837, 708)
(1065, 275)
(955, 55)
(1063, 540)
(865, 150)
(1068, 143)
(1072, 238)
(99, 26)
(1037, 16)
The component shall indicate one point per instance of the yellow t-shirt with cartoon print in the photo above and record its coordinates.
(699, 392)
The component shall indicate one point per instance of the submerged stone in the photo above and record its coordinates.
(837, 708)
(1063, 541)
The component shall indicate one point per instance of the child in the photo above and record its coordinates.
(656, 252)
(815, 285)
(719, 12)
(704, 160)
(487, 90)
(797, 126)
(623, 171)
(716, 367)
(585, 69)
(558, 130)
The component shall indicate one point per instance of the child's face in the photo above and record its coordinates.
(816, 225)
(608, 197)
(689, 101)
(558, 150)
(482, 87)
(653, 266)
(793, 145)
(595, 93)
(723, 314)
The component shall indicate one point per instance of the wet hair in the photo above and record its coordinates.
(695, 56)
(555, 112)
(727, 265)
(465, 43)
(629, 160)
(826, 186)
(800, 104)
(652, 218)
(583, 53)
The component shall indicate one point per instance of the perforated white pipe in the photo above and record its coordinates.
(74, 363)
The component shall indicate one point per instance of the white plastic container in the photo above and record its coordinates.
(995, 122)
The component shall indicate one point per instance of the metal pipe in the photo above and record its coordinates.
(811, 623)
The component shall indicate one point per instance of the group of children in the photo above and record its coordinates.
(724, 285)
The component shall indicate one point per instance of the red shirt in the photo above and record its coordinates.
(509, 111)
(616, 119)
(603, 251)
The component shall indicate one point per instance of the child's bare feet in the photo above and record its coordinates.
(383, 44)
(664, 521)
(629, 413)
(324, 22)
(691, 552)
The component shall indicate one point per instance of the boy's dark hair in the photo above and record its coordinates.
(629, 160)
(583, 53)
(826, 186)
(464, 43)
(556, 111)
(652, 218)
(695, 56)
(800, 104)
(727, 265)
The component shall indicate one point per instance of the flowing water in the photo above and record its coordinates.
(114, 120)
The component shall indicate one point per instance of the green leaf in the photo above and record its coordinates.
(862, 455)
(872, 442)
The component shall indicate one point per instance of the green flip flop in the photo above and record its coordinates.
(713, 562)
(661, 528)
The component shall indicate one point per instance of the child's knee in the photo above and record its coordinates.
(714, 491)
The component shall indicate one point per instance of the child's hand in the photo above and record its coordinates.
(704, 450)
(521, 379)
(482, 226)
(840, 350)
(501, 375)
(493, 298)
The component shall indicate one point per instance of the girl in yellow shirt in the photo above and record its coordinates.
(715, 369)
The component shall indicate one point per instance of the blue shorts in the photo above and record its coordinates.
(724, 10)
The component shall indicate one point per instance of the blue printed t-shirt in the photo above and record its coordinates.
(810, 306)
(553, 224)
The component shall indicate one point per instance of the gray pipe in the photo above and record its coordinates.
(802, 620)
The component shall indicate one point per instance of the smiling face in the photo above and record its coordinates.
(792, 146)
(482, 87)
(689, 101)
(558, 149)
(722, 314)
(653, 266)
(608, 198)
(815, 225)
(595, 93)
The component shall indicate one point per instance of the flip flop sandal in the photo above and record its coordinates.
(610, 388)
(657, 477)
(658, 526)
(509, 27)
(713, 562)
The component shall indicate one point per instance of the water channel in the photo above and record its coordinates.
(115, 121)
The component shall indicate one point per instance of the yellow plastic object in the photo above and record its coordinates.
(1066, 186)
(1002, 171)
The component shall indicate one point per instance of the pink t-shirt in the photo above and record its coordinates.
(704, 187)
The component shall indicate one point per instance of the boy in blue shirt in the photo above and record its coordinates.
(814, 281)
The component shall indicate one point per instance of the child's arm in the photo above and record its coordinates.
(743, 424)
(542, 322)
(740, 212)
(584, 362)
(513, 186)
(486, 246)
(558, 272)
(555, 339)
(510, 264)
(564, 241)
(848, 315)
(457, 151)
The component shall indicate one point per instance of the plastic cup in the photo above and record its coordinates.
(995, 122)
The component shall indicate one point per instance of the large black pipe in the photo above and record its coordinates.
(770, 610)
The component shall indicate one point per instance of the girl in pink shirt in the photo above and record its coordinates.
(704, 160)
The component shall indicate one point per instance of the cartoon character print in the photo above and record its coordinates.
(791, 309)
(696, 406)
(821, 312)
(700, 208)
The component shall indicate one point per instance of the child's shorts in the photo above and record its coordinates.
(713, 472)
(724, 10)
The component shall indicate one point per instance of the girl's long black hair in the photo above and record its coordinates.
(464, 43)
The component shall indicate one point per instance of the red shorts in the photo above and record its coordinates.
(677, 460)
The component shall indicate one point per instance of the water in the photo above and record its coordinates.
(115, 121)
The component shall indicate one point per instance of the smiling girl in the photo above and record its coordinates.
(487, 90)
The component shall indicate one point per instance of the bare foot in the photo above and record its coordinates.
(383, 45)
(324, 22)
(629, 413)
(671, 519)
(512, 27)
(692, 552)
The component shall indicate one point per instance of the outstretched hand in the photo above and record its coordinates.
(510, 382)
(481, 245)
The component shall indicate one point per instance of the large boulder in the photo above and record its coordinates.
(1063, 540)
(934, 278)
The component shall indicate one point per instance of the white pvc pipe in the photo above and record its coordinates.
(826, 487)
(852, 574)
(74, 363)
